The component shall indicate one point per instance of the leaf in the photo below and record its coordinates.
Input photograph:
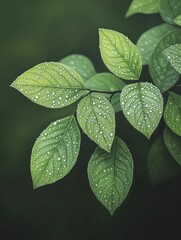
(142, 105)
(173, 55)
(80, 64)
(163, 74)
(55, 152)
(161, 165)
(97, 119)
(52, 85)
(111, 174)
(169, 10)
(173, 143)
(120, 55)
(142, 6)
(149, 40)
(115, 101)
(172, 114)
(177, 20)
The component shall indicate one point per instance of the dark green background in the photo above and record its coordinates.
(36, 31)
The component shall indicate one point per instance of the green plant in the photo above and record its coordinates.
(100, 95)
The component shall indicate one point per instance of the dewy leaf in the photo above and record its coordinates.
(120, 55)
(142, 105)
(169, 10)
(80, 64)
(143, 6)
(161, 165)
(96, 117)
(173, 55)
(52, 85)
(163, 74)
(172, 114)
(149, 40)
(173, 143)
(55, 152)
(111, 174)
(177, 20)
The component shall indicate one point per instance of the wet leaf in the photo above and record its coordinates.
(111, 174)
(177, 20)
(55, 152)
(120, 55)
(169, 10)
(142, 105)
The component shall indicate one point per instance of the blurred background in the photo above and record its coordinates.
(32, 32)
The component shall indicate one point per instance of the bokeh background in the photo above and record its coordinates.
(32, 32)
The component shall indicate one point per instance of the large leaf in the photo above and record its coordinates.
(120, 55)
(111, 174)
(172, 114)
(80, 64)
(142, 105)
(169, 10)
(149, 40)
(52, 85)
(55, 152)
(173, 55)
(177, 20)
(173, 143)
(143, 6)
(161, 165)
(96, 117)
(162, 73)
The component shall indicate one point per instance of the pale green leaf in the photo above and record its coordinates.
(55, 152)
(115, 101)
(120, 55)
(161, 165)
(163, 74)
(96, 117)
(173, 55)
(169, 10)
(149, 40)
(177, 20)
(111, 174)
(143, 6)
(172, 113)
(81, 64)
(52, 85)
(142, 105)
(173, 143)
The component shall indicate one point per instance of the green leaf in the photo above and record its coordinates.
(177, 20)
(120, 55)
(163, 74)
(80, 64)
(172, 114)
(111, 174)
(143, 6)
(173, 143)
(55, 152)
(52, 85)
(150, 39)
(173, 55)
(169, 10)
(97, 119)
(115, 101)
(161, 165)
(142, 105)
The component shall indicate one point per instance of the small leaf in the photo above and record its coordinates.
(172, 114)
(115, 101)
(173, 55)
(142, 105)
(169, 10)
(97, 119)
(143, 6)
(55, 152)
(52, 85)
(173, 143)
(177, 20)
(111, 174)
(163, 74)
(161, 165)
(120, 55)
(81, 64)
(150, 39)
